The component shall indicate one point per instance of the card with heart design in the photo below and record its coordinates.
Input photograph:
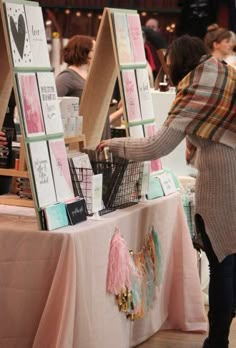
(37, 36)
(18, 33)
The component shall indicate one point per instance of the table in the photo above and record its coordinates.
(53, 284)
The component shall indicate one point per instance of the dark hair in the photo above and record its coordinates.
(185, 53)
(77, 50)
(215, 34)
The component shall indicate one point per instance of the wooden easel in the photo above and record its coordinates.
(103, 73)
(6, 85)
(7, 82)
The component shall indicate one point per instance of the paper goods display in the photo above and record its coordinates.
(122, 39)
(60, 170)
(136, 38)
(42, 172)
(30, 102)
(49, 102)
(19, 37)
(37, 37)
(56, 216)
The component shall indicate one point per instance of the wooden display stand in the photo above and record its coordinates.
(100, 84)
(7, 81)
(6, 85)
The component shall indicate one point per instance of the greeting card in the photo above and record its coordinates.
(60, 170)
(136, 38)
(136, 131)
(41, 168)
(19, 37)
(131, 96)
(145, 96)
(97, 203)
(122, 39)
(30, 101)
(56, 216)
(76, 210)
(49, 102)
(37, 37)
(149, 131)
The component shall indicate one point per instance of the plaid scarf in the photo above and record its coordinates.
(205, 104)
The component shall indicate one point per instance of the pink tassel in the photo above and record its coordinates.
(119, 265)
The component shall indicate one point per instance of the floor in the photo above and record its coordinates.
(176, 339)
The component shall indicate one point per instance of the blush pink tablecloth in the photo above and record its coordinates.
(53, 284)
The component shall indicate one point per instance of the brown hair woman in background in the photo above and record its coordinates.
(218, 41)
(77, 54)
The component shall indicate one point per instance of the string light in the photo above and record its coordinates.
(67, 11)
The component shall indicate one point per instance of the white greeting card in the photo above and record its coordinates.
(97, 203)
(18, 33)
(37, 36)
(31, 107)
(43, 179)
(145, 178)
(136, 131)
(49, 102)
(122, 39)
(131, 96)
(145, 96)
(167, 183)
(60, 170)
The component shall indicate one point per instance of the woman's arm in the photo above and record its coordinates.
(144, 149)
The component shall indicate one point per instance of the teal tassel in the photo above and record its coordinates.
(158, 256)
(150, 285)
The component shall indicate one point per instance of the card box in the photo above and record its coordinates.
(56, 216)
(76, 211)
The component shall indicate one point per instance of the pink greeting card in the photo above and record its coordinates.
(131, 96)
(149, 131)
(60, 170)
(136, 38)
(31, 107)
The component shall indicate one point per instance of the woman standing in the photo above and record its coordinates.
(218, 41)
(204, 112)
(77, 54)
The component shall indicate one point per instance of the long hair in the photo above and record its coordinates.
(215, 34)
(77, 50)
(184, 54)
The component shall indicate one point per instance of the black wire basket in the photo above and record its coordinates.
(121, 183)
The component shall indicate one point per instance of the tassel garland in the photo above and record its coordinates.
(134, 277)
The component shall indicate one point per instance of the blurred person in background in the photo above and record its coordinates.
(218, 41)
(231, 58)
(78, 54)
(154, 43)
(153, 24)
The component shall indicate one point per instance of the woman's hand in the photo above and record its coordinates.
(3, 139)
(102, 145)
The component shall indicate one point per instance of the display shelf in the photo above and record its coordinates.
(10, 199)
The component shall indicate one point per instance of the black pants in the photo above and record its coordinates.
(222, 292)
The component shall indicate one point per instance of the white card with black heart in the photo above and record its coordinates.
(19, 37)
